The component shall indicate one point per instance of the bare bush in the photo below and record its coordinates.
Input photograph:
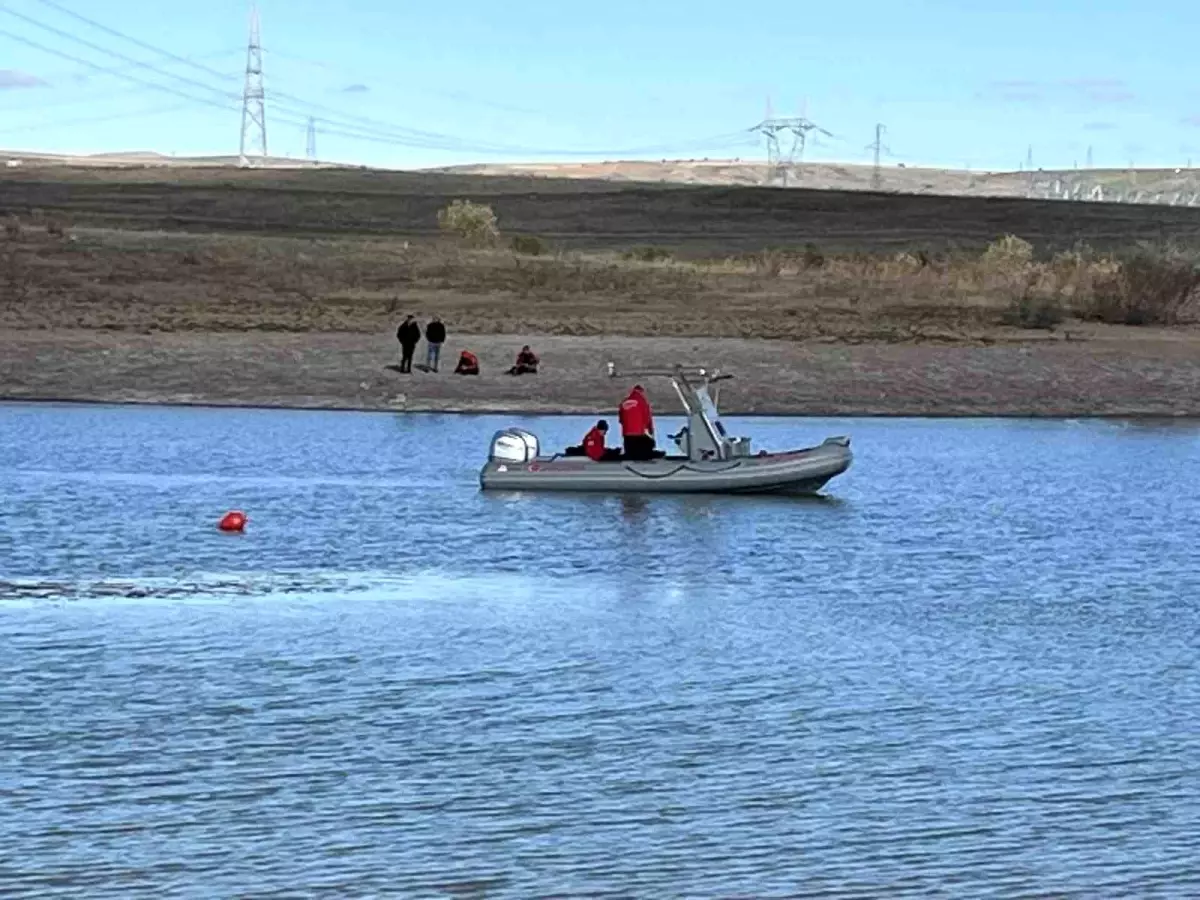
(1148, 287)
(1008, 253)
(770, 263)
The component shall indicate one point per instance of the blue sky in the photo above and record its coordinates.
(956, 83)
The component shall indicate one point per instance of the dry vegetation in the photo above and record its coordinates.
(286, 288)
(53, 276)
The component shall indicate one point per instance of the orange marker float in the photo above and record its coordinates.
(232, 521)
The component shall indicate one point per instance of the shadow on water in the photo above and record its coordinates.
(635, 502)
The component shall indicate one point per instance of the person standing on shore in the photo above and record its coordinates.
(408, 334)
(435, 336)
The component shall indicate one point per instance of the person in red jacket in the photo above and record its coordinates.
(593, 444)
(468, 364)
(637, 425)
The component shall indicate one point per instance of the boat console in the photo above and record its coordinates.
(704, 436)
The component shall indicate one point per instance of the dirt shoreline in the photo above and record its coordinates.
(1095, 373)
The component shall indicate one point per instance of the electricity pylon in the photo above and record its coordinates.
(310, 143)
(780, 163)
(254, 113)
(879, 148)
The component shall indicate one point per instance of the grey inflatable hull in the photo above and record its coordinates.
(794, 472)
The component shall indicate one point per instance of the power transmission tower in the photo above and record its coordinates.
(879, 148)
(780, 163)
(254, 112)
(310, 144)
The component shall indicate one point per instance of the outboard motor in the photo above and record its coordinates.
(514, 445)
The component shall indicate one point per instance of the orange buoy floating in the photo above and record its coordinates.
(232, 521)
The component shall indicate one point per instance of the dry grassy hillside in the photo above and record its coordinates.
(577, 214)
(221, 250)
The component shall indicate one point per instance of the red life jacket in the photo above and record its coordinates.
(593, 444)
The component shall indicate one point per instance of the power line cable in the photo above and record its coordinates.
(350, 126)
(443, 141)
(123, 75)
(114, 53)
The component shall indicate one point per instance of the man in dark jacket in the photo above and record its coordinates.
(408, 334)
(435, 336)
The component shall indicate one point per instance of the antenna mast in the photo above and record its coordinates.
(254, 113)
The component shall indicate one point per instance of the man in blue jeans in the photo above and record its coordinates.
(435, 336)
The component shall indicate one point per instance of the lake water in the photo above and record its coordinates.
(970, 671)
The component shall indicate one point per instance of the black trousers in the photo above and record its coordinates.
(639, 446)
(406, 354)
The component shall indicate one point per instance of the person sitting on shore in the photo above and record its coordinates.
(468, 364)
(527, 362)
(593, 445)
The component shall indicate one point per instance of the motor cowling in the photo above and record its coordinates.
(514, 445)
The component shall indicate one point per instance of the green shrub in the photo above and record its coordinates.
(1031, 311)
(647, 254)
(528, 245)
(474, 223)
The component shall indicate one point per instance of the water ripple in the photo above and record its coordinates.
(973, 673)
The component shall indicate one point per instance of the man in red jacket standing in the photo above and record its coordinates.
(637, 425)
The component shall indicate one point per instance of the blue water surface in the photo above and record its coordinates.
(969, 670)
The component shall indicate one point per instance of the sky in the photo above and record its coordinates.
(401, 84)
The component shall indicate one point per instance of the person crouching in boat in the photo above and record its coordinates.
(468, 364)
(637, 426)
(593, 445)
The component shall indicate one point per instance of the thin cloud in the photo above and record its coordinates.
(1192, 120)
(1100, 126)
(1104, 95)
(355, 89)
(1091, 91)
(1013, 90)
(15, 79)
